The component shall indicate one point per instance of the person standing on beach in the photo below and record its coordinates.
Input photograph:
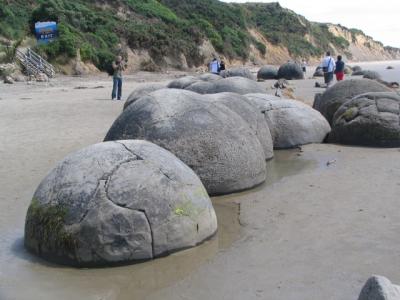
(222, 66)
(328, 66)
(118, 67)
(339, 70)
(304, 66)
(214, 66)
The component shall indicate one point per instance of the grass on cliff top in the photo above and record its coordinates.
(163, 27)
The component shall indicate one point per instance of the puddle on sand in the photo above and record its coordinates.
(42, 281)
(23, 276)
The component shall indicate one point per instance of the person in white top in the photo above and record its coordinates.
(328, 66)
(214, 66)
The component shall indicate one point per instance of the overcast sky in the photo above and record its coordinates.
(379, 19)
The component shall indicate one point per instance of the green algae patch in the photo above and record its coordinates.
(45, 229)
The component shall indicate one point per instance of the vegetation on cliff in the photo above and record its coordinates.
(164, 28)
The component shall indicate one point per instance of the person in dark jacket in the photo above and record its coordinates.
(222, 66)
(339, 70)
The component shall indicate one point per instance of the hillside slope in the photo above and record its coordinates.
(181, 33)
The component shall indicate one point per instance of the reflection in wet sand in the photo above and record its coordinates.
(23, 276)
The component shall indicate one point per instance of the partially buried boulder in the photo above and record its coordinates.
(371, 75)
(292, 123)
(118, 202)
(343, 91)
(371, 119)
(379, 288)
(253, 116)
(237, 72)
(238, 85)
(215, 142)
(142, 91)
(267, 72)
(290, 71)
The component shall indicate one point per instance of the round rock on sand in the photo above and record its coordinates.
(142, 91)
(267, 72)
(343, 91)
(254, 118)
(371, 119)
(118, 202)
(238, 85)
(379, 288)
(292, 123)
(290, 71)
(215, 142)
(237, 72)
(372, 75)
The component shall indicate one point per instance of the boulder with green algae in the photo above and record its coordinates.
(372, 119)
(343, 91)
(118, 202)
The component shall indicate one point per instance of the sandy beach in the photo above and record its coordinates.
(325, 220)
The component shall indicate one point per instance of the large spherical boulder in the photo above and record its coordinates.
(343, 91)
(372, 75)
(290, 71)
(216, 143)
(183, 82)
(254, 118)
(356, 69)
(238, 85)
(371, 119)
(348, 70)
(118, 202)
(142, 91)
(292, 123)
(379, 288)
(267, 72)
(237, 72)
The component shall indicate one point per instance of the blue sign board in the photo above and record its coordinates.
(46, 32)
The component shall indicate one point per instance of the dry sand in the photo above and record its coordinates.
(313, 231)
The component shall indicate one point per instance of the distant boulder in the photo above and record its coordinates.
(318, 72)
(237, 72)
(343, 91)
(292, 123)
(239, 85)
(183, 82)
(267, 72)
(142, 91)
(356, 69)
(370, 119)
(371, 75)
(389, 68)
(216, 142)
(290, 71)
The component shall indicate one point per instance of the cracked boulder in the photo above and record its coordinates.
(371, 119)
(343, 91)
(292, 123)
(379, 288)
(213, 140)
(118, 202)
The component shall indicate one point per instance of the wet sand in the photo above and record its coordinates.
(312, 231)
